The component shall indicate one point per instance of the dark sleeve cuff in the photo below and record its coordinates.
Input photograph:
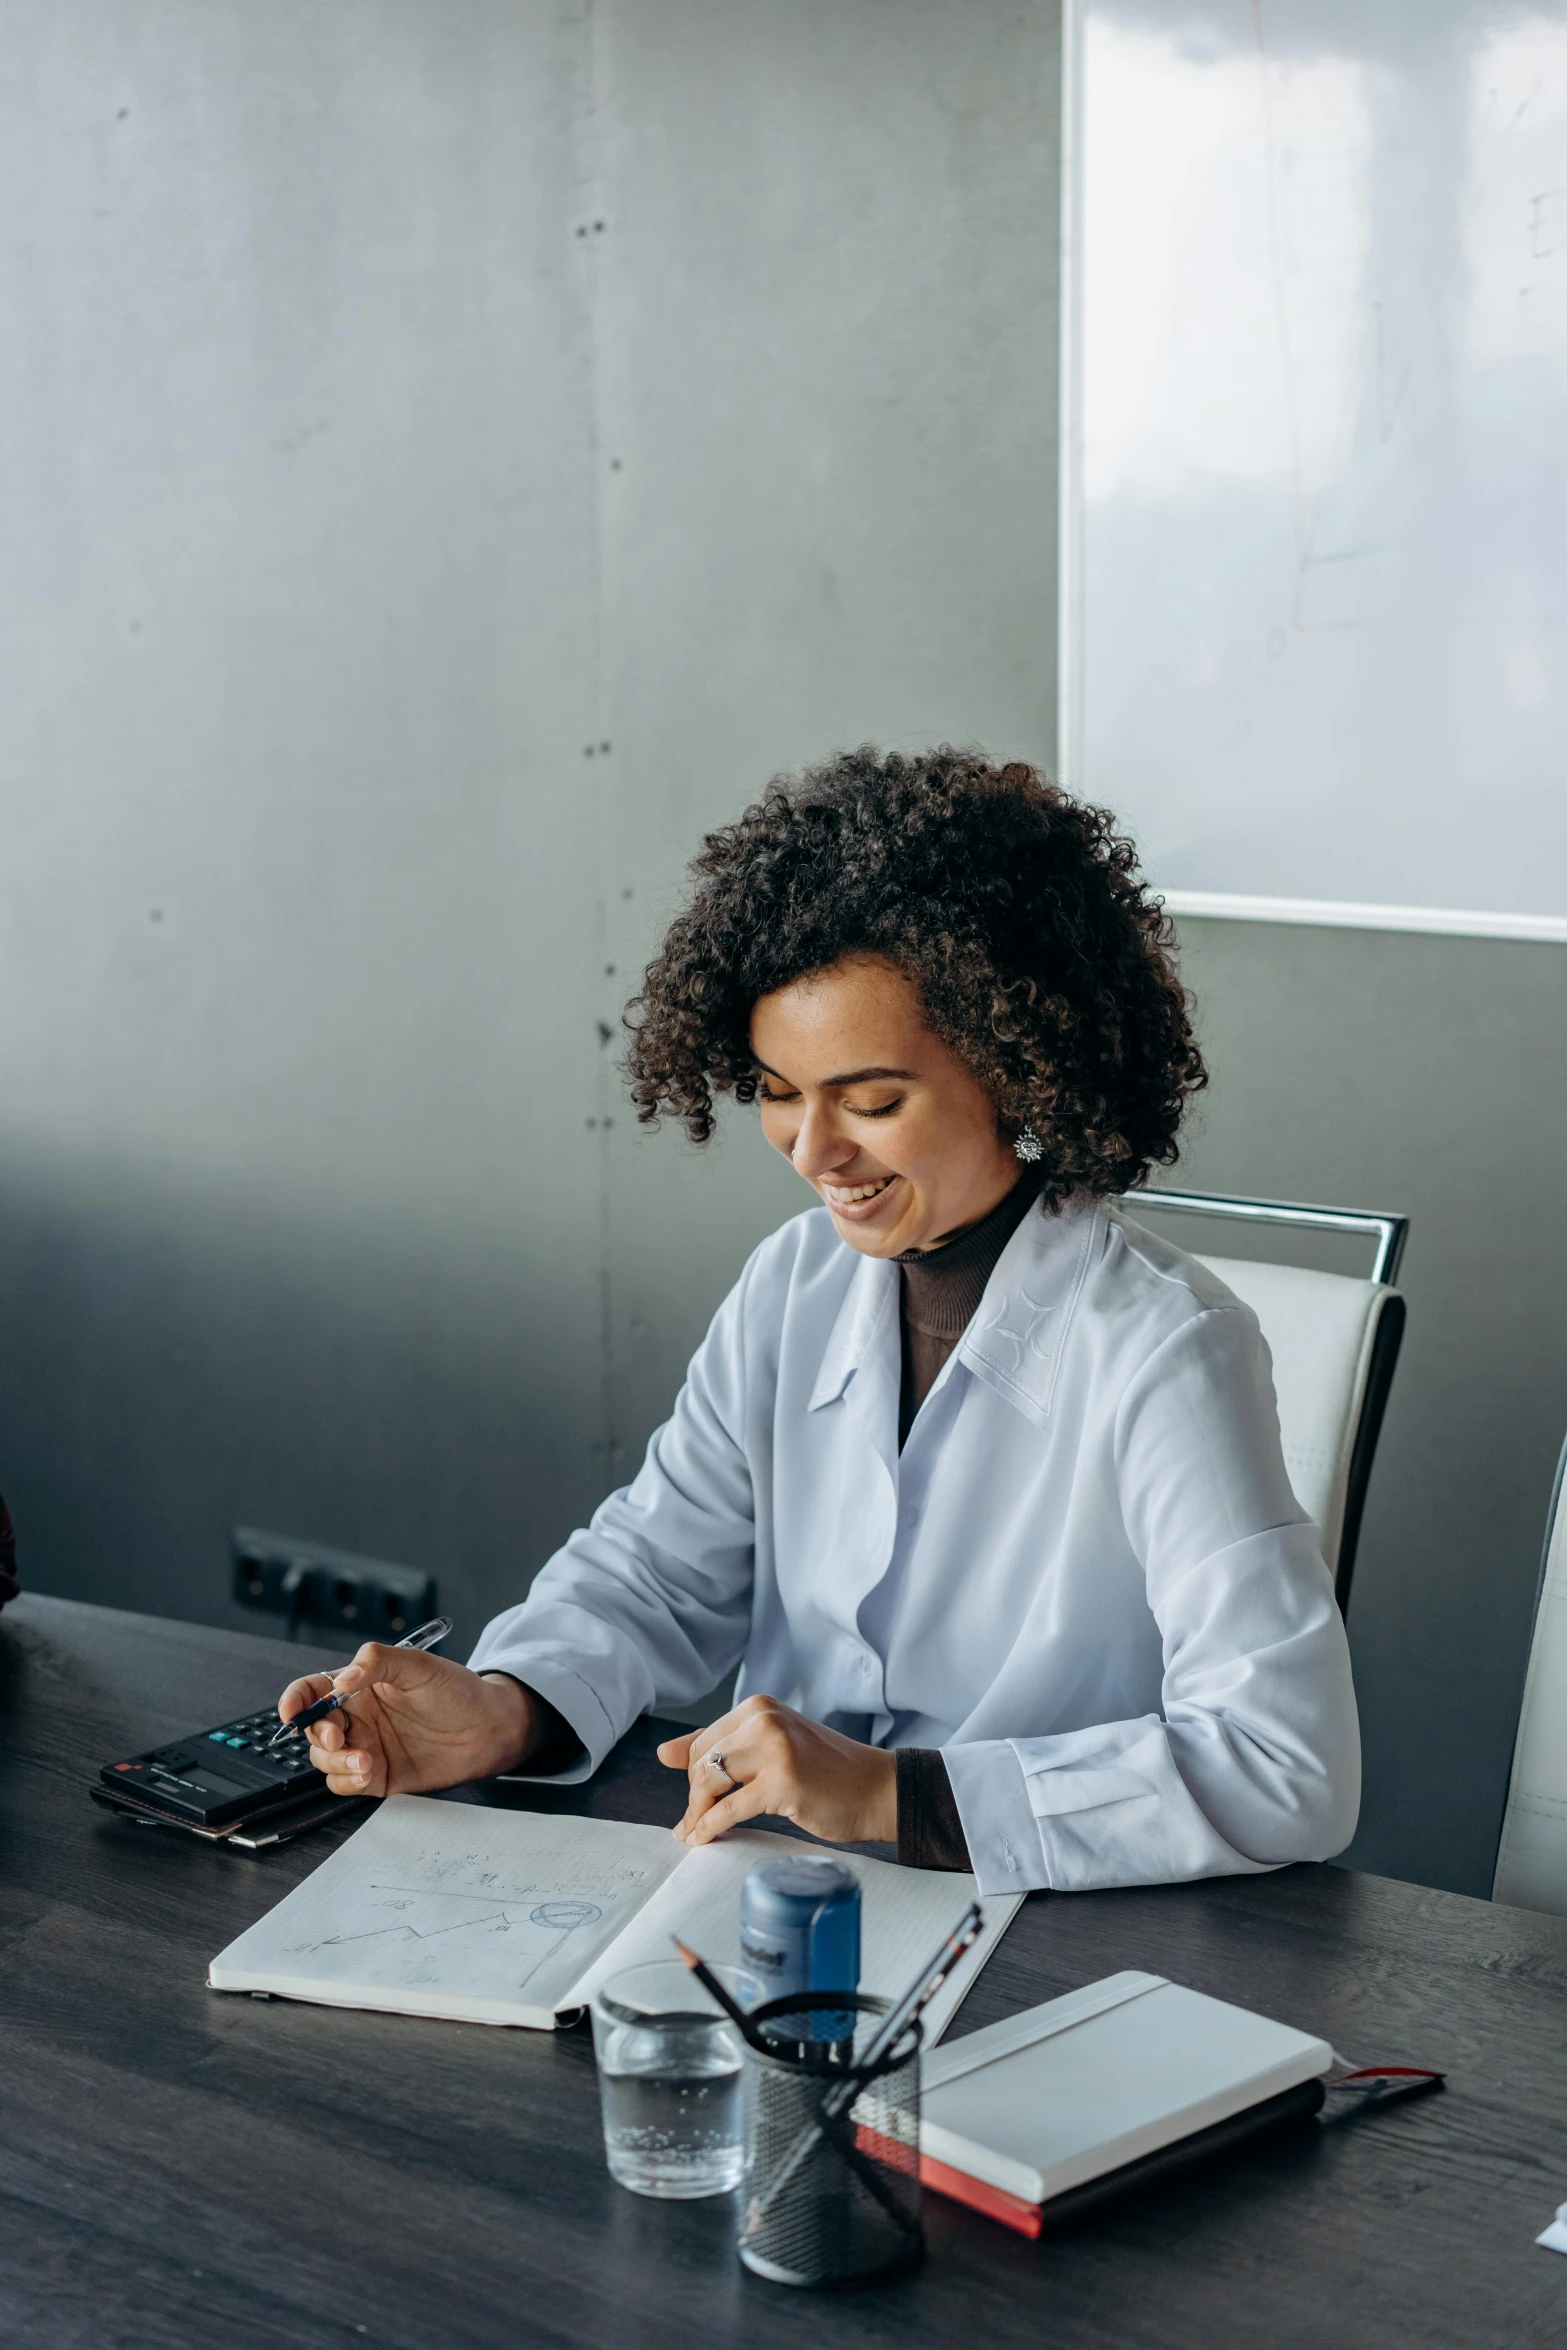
(559, 1747)
(930, 1832)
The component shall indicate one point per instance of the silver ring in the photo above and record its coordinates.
(716, 1762)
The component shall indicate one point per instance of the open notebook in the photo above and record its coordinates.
(512, 1917)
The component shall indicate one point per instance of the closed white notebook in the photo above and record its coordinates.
(512, 1917)
(1076, 2088)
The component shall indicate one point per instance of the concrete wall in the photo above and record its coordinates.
(452, 456)
(828, 358)
(296, 900)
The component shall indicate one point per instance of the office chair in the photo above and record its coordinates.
(1531, 1864)
(1334, 1342)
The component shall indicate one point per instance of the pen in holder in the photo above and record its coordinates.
(832, 2189)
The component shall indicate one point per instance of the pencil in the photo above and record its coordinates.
(715, 1990)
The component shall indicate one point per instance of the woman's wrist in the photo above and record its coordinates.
(883, 1806)
(518, 1722)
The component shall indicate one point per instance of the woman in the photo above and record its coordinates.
(978, 1482)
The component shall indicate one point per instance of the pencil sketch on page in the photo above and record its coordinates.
(472, 1920)
(426, 1914)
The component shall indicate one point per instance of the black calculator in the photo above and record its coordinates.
(219, 1776)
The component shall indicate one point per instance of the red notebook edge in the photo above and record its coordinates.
(994, 2202)
(1013, 2211)
(1285, 2109)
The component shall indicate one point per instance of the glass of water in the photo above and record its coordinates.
(669, 2064)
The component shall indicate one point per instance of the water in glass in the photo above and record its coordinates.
(669, 2081)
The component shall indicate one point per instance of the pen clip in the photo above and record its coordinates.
(428, 1635)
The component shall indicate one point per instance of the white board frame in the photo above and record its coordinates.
(1205, 905)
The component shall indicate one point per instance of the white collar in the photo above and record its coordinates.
(1016, 1338)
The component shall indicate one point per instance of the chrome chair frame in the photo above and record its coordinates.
(1390, 1232)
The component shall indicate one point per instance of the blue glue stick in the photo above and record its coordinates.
(800, 1931)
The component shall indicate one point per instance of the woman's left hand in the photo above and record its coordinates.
(775, 1760)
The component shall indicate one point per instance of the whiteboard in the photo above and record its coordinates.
(1315, 603)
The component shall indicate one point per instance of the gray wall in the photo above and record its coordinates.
(351, 494)
(828, 358)
(297, 625)
(452, 456)
(1385, 1070)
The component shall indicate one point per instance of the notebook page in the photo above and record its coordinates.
(449, 1909)
(905, 1914)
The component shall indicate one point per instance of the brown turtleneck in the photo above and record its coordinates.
(941, 1290)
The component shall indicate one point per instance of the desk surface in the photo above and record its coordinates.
(176, 2166)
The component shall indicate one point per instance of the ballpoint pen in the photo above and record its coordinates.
(422, 1636)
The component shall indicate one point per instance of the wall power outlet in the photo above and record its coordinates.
(329, 1589)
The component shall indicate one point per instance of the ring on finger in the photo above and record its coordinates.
(716, 1762)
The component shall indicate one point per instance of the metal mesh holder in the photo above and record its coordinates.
(830, 2197)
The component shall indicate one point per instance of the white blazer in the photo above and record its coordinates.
(1086, 1578)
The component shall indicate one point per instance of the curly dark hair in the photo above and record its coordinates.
(1018, 913)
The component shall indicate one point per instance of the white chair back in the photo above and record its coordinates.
(1322, 1331)
(1531, 1866)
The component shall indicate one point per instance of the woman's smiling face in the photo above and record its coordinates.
(865, 1101)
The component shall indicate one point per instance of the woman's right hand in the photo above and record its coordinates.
(414, 1721)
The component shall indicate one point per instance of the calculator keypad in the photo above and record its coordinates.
(253, 1737)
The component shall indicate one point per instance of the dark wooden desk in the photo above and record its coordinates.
(182, 2168)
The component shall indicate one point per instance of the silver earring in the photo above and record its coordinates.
(1028, 1146)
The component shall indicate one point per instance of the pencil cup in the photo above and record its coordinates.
(832, 2186)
